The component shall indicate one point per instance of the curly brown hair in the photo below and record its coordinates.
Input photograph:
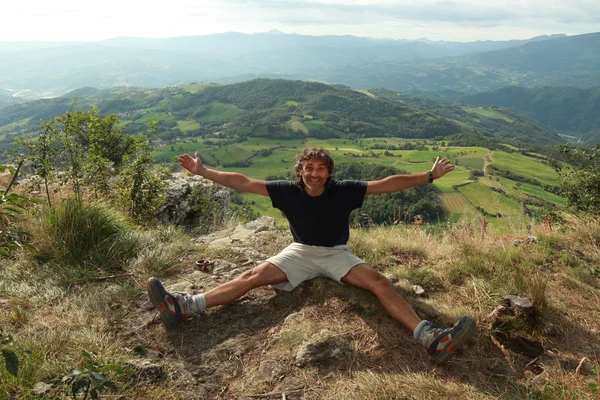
(316, 153)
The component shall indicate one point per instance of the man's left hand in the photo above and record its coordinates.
(441, 167)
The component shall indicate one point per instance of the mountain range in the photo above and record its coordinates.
(51, 69)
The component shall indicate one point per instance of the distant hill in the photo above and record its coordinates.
(280, 109)
(491, 121)
(563, 61)
(7, 99)
(570, 110)
(54, 69)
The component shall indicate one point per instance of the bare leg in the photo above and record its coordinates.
(261, 275)
(365, 277)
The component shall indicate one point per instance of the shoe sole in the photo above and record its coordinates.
(157, 293)
(466, 333)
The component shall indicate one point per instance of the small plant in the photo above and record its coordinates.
(426, 279)
(87, 381)
(11, 360)
(11, 207)
(90, 236)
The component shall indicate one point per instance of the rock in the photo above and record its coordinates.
(268, 371)
(324, 348)
(243, 234)
(531, 239)
(145, 371)
(517, 242)
(194, 203)
(418, 290)
(292, 319)
(518, 302)
(41, 387)
(518, 307)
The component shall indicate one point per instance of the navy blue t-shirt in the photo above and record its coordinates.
(320, 220)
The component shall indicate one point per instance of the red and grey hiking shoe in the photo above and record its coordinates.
(173, 307)
(441, 343)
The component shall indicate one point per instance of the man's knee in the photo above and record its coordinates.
(261, 275)
(378, 282)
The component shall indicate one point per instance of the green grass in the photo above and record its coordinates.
(487, 113)
(296, 124)
(154, 116)
(188, 125)
(196, 87)
(16, 124)
(232, 153)
(164, 154)
(492, 202)
(222, 112)
(524, 166)
(527, 189)
(270, 165)
(456, 203)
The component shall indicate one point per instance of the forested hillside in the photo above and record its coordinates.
(570, 110)
(278, 109)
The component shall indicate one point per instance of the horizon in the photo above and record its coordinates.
(277, 31)
(434, 20)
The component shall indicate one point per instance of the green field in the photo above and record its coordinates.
(458, 195)
(155, 116)
(485, 112)
(524, 166)
(528, 190)
(14, 125)
(457, 204)
(232, 153)
(492, 202)
(188, 125)
(296, 124)
(196, 87)
(222, 112)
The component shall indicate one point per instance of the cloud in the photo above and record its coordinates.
(436, 19)
(491, 12)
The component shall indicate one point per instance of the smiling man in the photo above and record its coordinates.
(317, 208)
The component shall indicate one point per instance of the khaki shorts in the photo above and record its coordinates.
(302, 262)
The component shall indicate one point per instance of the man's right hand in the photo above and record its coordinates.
(194, 165)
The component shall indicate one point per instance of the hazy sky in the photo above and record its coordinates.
(459, 20)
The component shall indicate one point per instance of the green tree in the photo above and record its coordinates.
(580, 179)
(142, 184)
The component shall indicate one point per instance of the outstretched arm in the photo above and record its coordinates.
(232, 180)
(395, 183)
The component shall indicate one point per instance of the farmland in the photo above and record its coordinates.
(494, 197)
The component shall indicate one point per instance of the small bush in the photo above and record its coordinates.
(89, 236)
(426, 279)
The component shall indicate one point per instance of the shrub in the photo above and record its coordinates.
(426, 279)
(89, 236)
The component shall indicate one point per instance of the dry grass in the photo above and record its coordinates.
(469, 272)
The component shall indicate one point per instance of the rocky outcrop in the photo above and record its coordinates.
(195, 203)
(324, 348)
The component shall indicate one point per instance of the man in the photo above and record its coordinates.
(317, 208)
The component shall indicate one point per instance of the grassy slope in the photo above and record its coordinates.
(464, 271)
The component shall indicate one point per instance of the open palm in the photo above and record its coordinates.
(192, 164)
(441, 167)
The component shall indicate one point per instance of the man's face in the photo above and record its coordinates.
(315, 174)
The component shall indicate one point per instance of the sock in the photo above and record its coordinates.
(197, 304)
(419, 331)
